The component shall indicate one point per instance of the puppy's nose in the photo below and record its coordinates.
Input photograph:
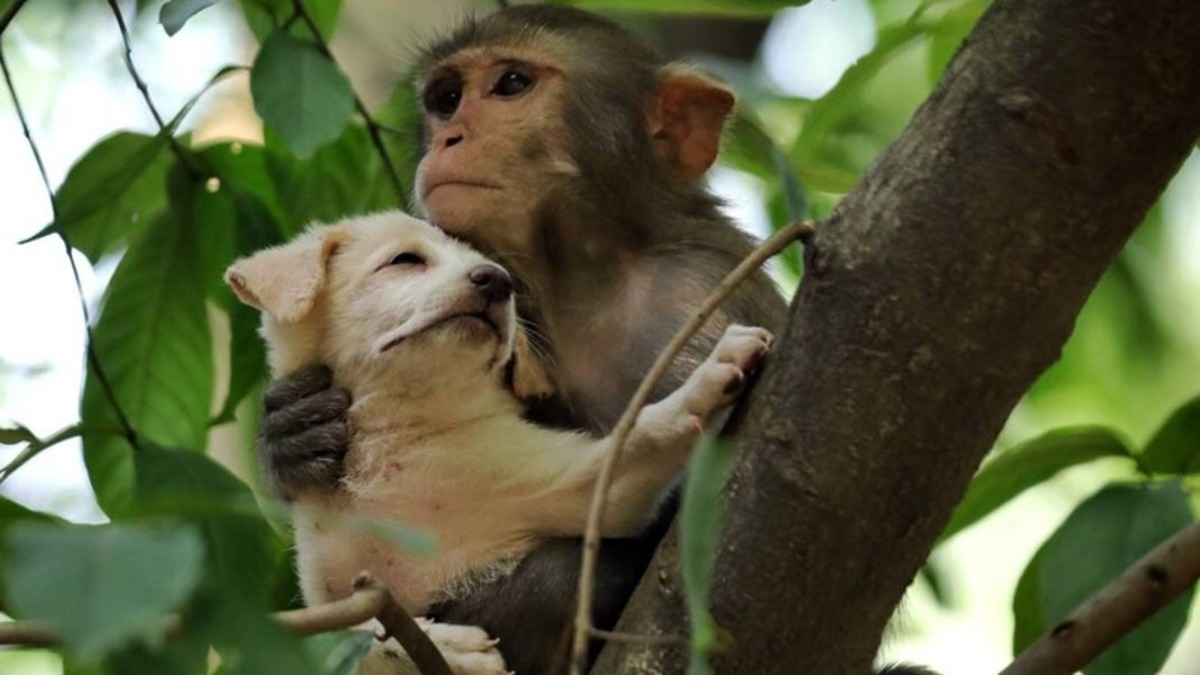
(492, 282)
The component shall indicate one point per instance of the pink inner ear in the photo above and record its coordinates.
(691, 114)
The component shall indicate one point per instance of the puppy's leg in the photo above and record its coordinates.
(662, 439)
(468, 651)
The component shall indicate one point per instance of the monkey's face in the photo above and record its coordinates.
(495, 147)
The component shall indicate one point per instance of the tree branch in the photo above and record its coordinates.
(941, 288)
(1149, 585)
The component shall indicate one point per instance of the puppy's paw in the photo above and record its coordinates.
(718, 381)
(469, 650)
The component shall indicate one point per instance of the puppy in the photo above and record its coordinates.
(422, 330)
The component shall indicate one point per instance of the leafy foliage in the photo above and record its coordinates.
(132, 576)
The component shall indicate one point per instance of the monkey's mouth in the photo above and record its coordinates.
(436, 183)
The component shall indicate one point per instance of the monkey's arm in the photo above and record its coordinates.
(657, 447)
(305, 432)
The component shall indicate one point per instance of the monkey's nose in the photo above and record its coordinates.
(492, 282)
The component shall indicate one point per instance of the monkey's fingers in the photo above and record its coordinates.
(303, 414)
(301, 384)
(312, 458)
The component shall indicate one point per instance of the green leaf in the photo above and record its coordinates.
(300, 93)
(265, 16)
(176, 13)
(1175, 447)
(1029, 620)
(101, 587)
(1028, 464)
(153, 344)
(111, 193)
(342, 179)
(340, 653)
(1102, 538)
(700, 528)
(12, 513)
(243, 550)
(764, 8)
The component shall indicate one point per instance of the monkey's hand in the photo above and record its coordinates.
(468, 651)
(305, 432)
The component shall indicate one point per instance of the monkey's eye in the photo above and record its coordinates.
(443, 97)
(407, 259)
(512, 83)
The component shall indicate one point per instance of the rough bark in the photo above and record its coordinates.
(938, 292)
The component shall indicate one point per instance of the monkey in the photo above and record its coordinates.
(573, 153)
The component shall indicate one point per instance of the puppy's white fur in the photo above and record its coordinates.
(439, 443)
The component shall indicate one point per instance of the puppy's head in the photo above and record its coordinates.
(385, 295)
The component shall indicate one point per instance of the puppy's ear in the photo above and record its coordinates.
(529, 377)
(284, 281)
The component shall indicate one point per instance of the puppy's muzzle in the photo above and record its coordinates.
(492, 282)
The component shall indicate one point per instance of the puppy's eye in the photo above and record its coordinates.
(407, 259)
(512, 83)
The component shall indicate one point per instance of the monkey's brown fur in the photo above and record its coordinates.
(573, 153)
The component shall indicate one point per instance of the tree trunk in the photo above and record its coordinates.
(934, 297)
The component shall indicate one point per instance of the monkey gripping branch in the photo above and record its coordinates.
(935, 295)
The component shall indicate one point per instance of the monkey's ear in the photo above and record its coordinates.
(529, 377)
(689, 117)
(284, 281)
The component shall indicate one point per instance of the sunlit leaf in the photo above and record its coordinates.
(1175, 447)
(111, 193)
(700, 528)
(1028, 464)
(300, 93)
(176, 13)
(100, 587)
(152, 342)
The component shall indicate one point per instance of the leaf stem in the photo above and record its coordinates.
(92, 359)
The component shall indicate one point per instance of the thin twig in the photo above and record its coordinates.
(1150, 584)
(369, 600)
(92, 358)
(630, 638)
(373, 127)
(591, 539)
(163, 128)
